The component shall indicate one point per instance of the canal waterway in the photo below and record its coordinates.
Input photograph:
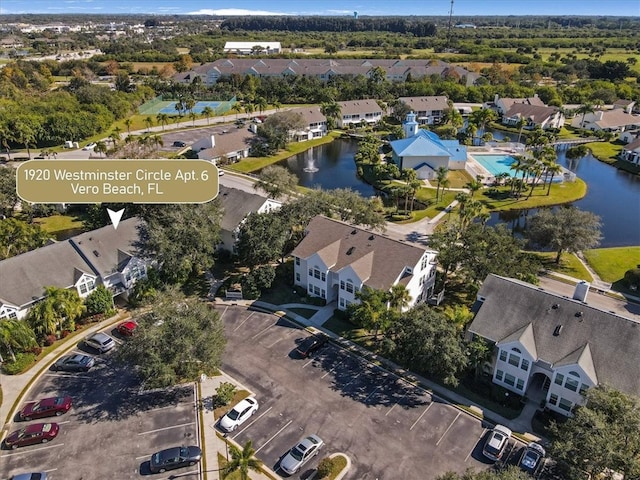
(612, 194)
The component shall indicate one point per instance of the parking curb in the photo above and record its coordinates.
(57, 353)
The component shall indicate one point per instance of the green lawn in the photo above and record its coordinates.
(565, 192)
(611, 263)
(252, 164)
(303, 312)
(605, 151)
(569, 265)
(60, 226)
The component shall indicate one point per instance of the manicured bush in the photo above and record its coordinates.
(325, 468)
(99, 301)
(23, 361)
(632, 278)
(224, 394)
(49, 340)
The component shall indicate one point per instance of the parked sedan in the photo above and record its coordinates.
(46, 407)
(239, 414)
(312, 344)
(31, 476)
(532, 458)
(175, 457)
(74, 363)
(101, 342)
(295, 458)
(32, 434)
(127, 328)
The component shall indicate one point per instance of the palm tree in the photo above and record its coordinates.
(445, 185)
(441, 175)
(482, 117)
(101, 147)
(237, 108)
(332, 112)
(148, 122)
(520, 124)
(584, 109)
(162, 119)
(193, 116)
(277, 105)
(474, 186)
(398, 297)
(553, 169)
(207, 112)
(262, 104)
(242, 461)
(127, 123)
(16, 335)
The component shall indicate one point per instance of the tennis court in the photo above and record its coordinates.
(158, 105)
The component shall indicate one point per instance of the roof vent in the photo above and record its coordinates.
(372, 237)
(96, 253)
(354, 231)
(557, 331)
(556, 306)
(350, 251)
(579, 314)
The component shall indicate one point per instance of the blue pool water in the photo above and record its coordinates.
(495, 164)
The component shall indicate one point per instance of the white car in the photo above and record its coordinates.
(90, 146)
(239, 414)
(295, 458)
(100, 342)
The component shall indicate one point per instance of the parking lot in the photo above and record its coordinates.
(112, 428)
(390, 429)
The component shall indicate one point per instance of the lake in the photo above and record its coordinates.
(612, 194)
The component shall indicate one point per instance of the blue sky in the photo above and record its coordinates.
(327, 7)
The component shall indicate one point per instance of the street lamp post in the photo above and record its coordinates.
(226, 445)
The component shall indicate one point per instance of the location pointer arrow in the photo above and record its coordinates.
(115, 217)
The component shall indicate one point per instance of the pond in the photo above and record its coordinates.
(329, 166)
(612, 194)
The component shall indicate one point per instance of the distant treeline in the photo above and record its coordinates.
(419, 28)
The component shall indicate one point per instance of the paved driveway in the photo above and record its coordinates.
(111, 430)
(389, 428)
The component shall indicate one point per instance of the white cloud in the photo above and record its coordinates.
(233, 12)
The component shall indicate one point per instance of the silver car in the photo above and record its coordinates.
(295, 458)
(100, 342)
(31, 476)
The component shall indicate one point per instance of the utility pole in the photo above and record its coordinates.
(449, 29)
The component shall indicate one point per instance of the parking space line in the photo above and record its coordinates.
(274, 436)
(333, 368)
(449, 428)
(48, 447)
(242, 322)
(374, 391)
(262, 331)
(308, 363)
(66, 376)
(279, 340)
(259, 417)
(484, 430)
(224, 311)
(393, 406)
(167, 428)
(422, 415)
(62, 423)
(352, 380)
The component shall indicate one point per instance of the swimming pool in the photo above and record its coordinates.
(495, 164)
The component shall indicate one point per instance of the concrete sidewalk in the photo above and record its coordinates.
(213, 443)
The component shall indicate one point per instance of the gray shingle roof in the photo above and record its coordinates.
(108, 249)
(613, 341)
(237, 204)
(535, 113)
(353, 107)
(378, 259)
(23, 277)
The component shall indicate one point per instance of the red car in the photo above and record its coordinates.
(46, 407)
(32, 434)
(127, 328)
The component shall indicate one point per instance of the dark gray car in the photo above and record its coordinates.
(74, 363)
(175, 457)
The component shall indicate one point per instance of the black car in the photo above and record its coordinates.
(311, 344)
(175, 457)
(74, 363)
(179, 144)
